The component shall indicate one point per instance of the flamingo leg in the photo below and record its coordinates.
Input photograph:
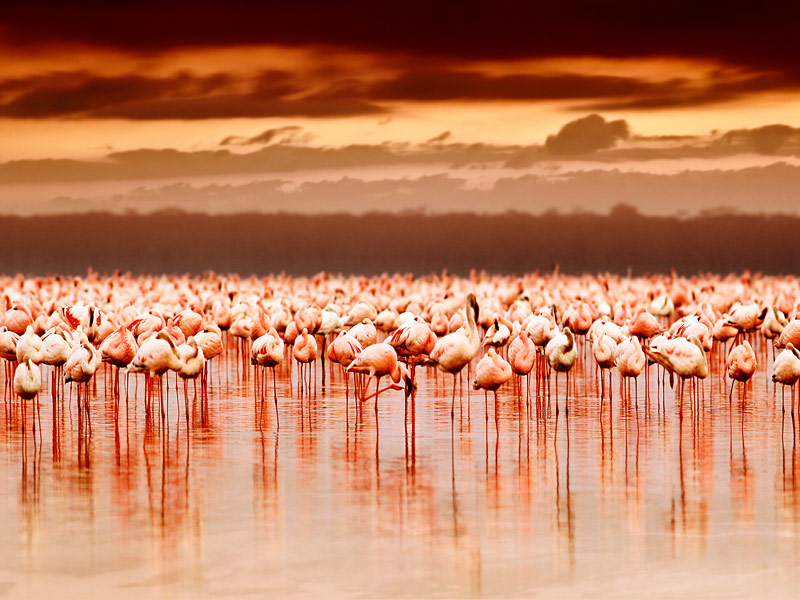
(453, 402)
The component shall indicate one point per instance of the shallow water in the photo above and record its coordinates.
(647, 498)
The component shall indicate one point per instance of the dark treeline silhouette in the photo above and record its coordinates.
(177, 242)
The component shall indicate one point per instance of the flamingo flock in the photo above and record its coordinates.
(495, 330)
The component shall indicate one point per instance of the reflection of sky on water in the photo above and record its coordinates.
(704, 503)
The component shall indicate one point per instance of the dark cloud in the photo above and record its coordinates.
(586, 135)
(279, 93)
(448, 84)
(438, 139)
(758, 34)
(608, 92)
(231, 140)
(684, 93)
(182, 96)
(288, 134)
(64, 94)
(274, 158)
(769, 139)
(284, 150)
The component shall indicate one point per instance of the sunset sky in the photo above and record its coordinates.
(673, 106)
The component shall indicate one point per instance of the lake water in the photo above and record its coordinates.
(644, 500)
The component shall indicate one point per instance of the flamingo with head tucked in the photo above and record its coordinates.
(267, 352)
(27, 383)
(741, 364)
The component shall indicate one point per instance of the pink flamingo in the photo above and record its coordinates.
(155, 357)
(304, 352)
(80, 368)
(118, 349)
(521, 357)
(454, 351)
(741, 364)
(492, 372)
(378, 361)
(267, 352)
(343, 350)
(630, 361)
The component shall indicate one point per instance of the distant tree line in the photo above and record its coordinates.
(177, 242)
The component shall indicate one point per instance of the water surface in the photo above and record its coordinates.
(647, 497)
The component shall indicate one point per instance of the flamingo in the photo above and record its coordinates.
(380, 360)
(365, 332)
(80, 368)
(190, 320)
(330, 324)
(746, 317)
(454, 351)
(492, 372)
(541, 328)
(27, 383)
(604, 350)
(343, 350)
(680, 356)
(630, 361)
(790, 334)
(192, 364)
(309, 318)
(387, 320)
(156, 356)
(786, 371)
(414, 342)
(118, 349)
(57, 348)
(644, 324)
(30, 347)
(8, 351)
(498, 333)
(741, 364)
(561, 355)
(521, 357)
(773, 324)
(210, 342)
(17, 319)
(267, 351)
(304, 352)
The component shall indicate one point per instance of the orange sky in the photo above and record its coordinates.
(427, 83)
(52, 111)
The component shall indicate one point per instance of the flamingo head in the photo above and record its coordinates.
(472, 302)
(409, 385)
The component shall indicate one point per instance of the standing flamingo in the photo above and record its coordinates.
(414, 342)
(521, 357)
(267, 351)
(561, 355)
(604, 350)
(305, 352)
(343, 350)
(683, 357)
(741, 364)
(492, 372)
(192, 364)
(630, 361)
(27, 383)
(80, 368)
(454, 351)
(156, 356)
(380, 360)
(786, 371)
(118, 349)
